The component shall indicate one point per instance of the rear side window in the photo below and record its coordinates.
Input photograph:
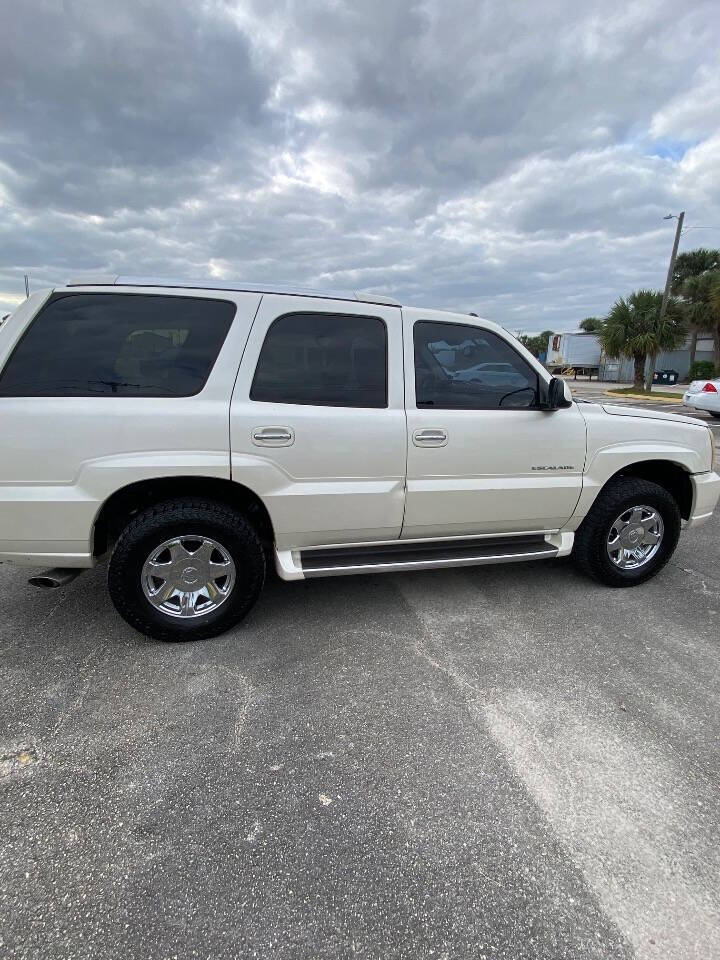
(330, 360)
(132, 345)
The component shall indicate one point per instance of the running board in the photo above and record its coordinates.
(419, 555)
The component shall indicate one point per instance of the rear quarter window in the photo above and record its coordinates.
(138, 345)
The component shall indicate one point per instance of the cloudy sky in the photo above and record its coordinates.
(512, 158)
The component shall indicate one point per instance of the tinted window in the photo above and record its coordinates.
(118, 344)
(324, 359)
(464, 367)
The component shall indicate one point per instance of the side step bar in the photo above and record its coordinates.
(424, 555)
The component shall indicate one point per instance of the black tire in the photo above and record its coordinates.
(185, 517)
(590, 549)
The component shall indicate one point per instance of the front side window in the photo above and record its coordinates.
(132, 345)
(468, 368)
(323, 359)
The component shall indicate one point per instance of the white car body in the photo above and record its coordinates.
(703, 395)
(329, 477)
(498, 373)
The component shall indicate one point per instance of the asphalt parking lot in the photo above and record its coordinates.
(500, 762)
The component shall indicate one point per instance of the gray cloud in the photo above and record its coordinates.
(512, 158)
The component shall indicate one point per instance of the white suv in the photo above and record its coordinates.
(197, 432)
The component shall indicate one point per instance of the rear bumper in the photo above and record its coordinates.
(46, 526)
(702, 401)
(706, 492)
(34, 553)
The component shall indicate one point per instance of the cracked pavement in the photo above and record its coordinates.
(501, 762)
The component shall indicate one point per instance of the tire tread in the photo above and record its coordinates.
(589, 551)
(159, 519)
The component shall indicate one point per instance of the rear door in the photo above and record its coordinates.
(106, 387)
(482, 458)
(318, 421)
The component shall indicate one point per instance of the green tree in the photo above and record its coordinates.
(714, 298)
(633, 329)
(700, 304)
(537, 344)
(591, 324)
(690, 280)
(692, 263)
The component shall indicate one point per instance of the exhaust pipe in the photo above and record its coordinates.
(57, 577)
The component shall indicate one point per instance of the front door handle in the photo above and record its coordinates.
(435, 437)
(273, 436)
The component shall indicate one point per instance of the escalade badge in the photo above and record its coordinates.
(564, 467)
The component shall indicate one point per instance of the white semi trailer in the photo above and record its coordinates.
(576, 351)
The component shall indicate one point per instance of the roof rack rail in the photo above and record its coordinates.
(110, 281)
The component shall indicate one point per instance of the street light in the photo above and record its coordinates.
(668, 284)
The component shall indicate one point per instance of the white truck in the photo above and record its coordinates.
(195, 433)
(577, 351)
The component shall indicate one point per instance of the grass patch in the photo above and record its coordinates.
(657, 395)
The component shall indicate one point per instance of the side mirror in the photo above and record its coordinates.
(559, 394)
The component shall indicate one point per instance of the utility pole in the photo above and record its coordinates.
(27, 287)
(666, 293)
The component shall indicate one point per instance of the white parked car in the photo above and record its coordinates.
(499, 374)
(193, 434)
(704, 395)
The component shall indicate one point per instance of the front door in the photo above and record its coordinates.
(318, 421)
(482, 458)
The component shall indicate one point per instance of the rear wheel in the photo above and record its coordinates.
(186, 570)
(629, 534)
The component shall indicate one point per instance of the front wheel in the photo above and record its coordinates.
(629, 534)
(186, 570)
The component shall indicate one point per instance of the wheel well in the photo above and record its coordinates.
(126, 502)
(672, 477)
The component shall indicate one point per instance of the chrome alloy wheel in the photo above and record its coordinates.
(635, 537)
(188, 576)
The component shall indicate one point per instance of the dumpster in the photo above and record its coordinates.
(666, 376)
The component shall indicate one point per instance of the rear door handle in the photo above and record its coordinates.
(435, 437)
(273, 436)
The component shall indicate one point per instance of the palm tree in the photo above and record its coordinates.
(633, 329)
(690, 267)
(591, 324)
(697, 292)
(692, 263)
(714, 298)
